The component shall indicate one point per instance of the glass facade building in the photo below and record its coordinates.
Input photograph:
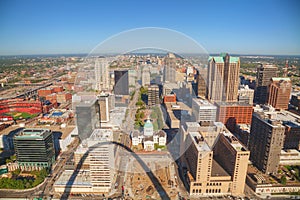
(34, 148)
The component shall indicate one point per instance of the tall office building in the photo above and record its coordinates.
(34, 149)
(121, 86)
(96, 155)
(102, 74)
(169, 75)
(87, 117)
(231, 113)
(265, 142)
(146, 76)
(203, 111)
(105, 103)
(153, 95)
(218, 170)
(201, 86)
(234, 158)
(223, 78)
(279, 92)
(263, 77)
(245, 94)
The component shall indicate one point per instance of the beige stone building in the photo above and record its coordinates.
(215, 170)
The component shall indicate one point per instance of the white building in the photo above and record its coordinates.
(203, 110)
(148, 144)
(145, 76)
(245, 94)
(102, 74)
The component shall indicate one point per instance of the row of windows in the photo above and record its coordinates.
(207, 191)
(213, 184)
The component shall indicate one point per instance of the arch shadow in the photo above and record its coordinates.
(161, 191)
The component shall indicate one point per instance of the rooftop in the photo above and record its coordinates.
(221, 103)
(32, 133)
(235, 143)
(199, 142)
(204, 104)
(81, 179)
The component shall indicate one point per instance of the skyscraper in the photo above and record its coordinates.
(145, 76)
(34, 149)
(219, 170)
(121, 86)
(87, 117)
(223, 78)
(263, 77)
(102, 74)
(266, 141)
(104, 101)
(153, 95)
(246, 94)
(169, 75)
(279, 92)
(201, 86)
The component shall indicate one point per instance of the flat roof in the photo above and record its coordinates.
(32, 133)
(81, 179)
(204, 104)
(201, 146)
(221, 103)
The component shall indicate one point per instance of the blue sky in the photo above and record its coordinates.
(234, 26)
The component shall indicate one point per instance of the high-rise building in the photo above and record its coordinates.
(295, 101)
(217, 170)
(153, 95)
(263, 77)
(146, 76)
(202, 110)
(223, 78)
(87, 117)
(231, 113)
(246, 94)
(279, 92)
(102, 74)
(121, 86)
(234, 158)
(34, 149)
(201, 86)
(265, 142)
(170, 70)
(105, 103)
(96, 155)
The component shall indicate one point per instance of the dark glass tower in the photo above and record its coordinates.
(34, 148)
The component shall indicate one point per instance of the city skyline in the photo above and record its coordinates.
(265, 28)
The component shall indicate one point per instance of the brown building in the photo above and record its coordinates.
(63, 97)
(171, 98)
(153, 95)
(201, 86)
(279, 93)
(44, 92)
(234, 113)
(223, 78)
(216, 171)
(266, 141)
(263, 77)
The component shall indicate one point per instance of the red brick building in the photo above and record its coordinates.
(171, 98)
(279, 93)
(232, 113)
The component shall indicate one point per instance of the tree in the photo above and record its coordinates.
(283, 180)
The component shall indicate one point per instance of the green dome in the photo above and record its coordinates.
(148, 124)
